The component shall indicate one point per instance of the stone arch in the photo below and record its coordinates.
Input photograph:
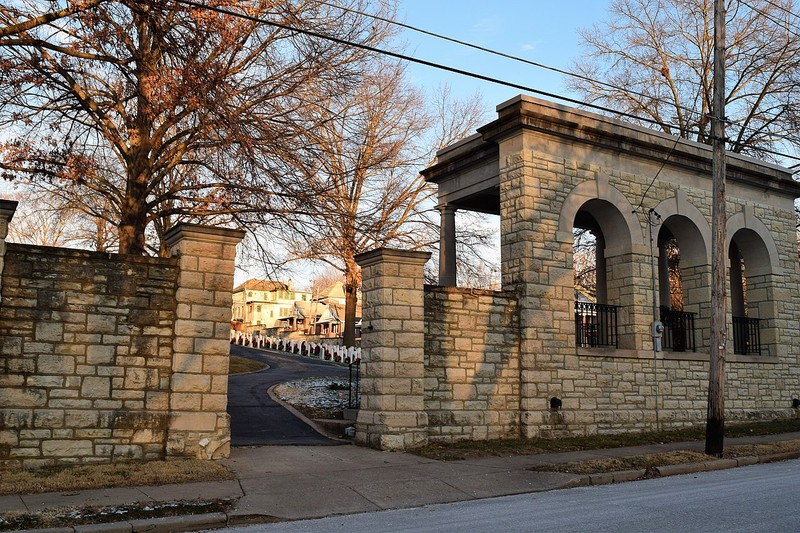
(688, 225)
(757, 241)
(610, 208)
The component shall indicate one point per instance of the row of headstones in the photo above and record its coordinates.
(325, 352)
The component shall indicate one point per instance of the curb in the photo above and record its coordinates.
(188, 523)
(167, 524)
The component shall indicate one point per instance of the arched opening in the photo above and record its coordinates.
(597, 297)
(751, 291)
(682, 272)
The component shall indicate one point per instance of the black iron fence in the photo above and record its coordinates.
(746, 336)
(595, 325)
(354, 394)
(679, 333)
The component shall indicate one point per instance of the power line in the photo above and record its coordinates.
(462, 72)
(778, 6)
(781, 23)
(559, 70)
(419, 61)
(556, 69)
(502, 54)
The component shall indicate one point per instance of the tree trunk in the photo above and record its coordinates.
(350, 303)
(133, 216)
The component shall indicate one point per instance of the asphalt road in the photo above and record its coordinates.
(256, 419)
(759, 498)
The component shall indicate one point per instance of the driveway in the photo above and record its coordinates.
(256, 419)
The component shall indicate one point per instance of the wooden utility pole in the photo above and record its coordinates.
(715, 421)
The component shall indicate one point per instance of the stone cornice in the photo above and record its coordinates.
(524, 113)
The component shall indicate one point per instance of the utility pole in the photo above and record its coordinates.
(715, 421)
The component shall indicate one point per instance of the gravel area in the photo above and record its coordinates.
(315, 397)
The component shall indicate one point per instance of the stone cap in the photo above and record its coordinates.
(202, 233)
(392, 255)
(8, 208)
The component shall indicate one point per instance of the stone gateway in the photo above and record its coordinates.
(537, 359)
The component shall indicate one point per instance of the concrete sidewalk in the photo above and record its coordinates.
(296, 482)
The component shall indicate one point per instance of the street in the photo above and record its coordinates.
(761, 498)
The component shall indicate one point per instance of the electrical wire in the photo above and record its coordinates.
(565, 72)
(411, 59)
(454, 70)
(782, 24)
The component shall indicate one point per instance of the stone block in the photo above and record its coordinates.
(190, 382)
(100, 354)
(101, 323)
(156, 400)
(215, 402)
(96, 387)
(80, 419)
(48, 418)
(194, 328)
(67, 448)
(49, 331)
(199, 422)
(215, 364)
(217, 346)
(20, 398)
(184, 401)
(141, 378)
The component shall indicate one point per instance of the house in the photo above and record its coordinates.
(261, 304)
(331, 322)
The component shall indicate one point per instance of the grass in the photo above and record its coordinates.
(243, 365)
(508, 447)
(70, 478)
(650, 461)
(61, 518)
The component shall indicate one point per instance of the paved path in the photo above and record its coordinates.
(256, 419)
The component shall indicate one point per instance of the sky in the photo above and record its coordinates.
(543, 31)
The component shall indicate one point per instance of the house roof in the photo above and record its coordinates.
(335, 290)
(265, 285)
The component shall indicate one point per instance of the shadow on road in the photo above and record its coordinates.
(256, 419)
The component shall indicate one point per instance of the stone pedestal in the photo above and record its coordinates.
(199, 424)
(7, 209)
(392, 415)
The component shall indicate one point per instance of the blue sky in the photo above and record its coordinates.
(544, 31)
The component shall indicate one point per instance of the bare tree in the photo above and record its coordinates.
(654, 59)
(361, 167)
(165, 110)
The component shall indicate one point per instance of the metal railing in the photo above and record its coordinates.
(679, 333)
(595, 325)
(746, 336)
(354, 394)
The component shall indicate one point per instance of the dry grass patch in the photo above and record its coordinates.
(243, 365)
(616, 464)
(69, 478)
(508, 447)
(650, 461)
(743, 450)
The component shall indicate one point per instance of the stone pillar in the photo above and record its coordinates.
(199, 424)
(7, 209)
(447, 246)
(392, 414)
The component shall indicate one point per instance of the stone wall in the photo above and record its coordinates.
(106, 358)
(86, 344)
(500, 363)
(471, 364)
